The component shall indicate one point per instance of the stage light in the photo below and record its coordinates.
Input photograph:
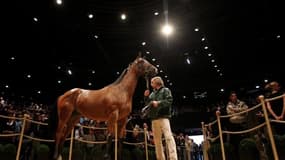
(167, 30)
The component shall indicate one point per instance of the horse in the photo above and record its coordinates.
(112, 103)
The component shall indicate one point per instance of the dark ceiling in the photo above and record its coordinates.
(243, 37)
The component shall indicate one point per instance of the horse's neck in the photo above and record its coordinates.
(129, 82)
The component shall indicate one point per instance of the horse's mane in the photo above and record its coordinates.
(119, 79)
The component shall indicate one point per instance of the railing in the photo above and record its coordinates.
(25, 119)
(267, 123)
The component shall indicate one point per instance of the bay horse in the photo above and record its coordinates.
(112, 104)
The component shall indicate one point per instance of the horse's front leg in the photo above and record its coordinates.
(121, 134)
(112, 120)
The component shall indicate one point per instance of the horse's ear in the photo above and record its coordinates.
(139, 55)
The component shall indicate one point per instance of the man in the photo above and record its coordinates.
(235, 106)
(160, 101)
(237, 122)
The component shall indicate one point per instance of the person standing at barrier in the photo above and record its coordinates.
(188, 146)
(276, 108)
(160, 101)
(237, 122)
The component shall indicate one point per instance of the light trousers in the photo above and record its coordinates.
(159, 127)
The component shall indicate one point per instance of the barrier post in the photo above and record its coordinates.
(21, 137)
(116, 140)
(71, 144)
(221, 134)
(145, 142)
(205, 144)
(269, 130)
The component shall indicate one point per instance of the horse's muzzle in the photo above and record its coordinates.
(153, 71)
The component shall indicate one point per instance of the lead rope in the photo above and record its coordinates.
(147, 82)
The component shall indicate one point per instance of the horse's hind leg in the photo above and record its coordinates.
(64, 115)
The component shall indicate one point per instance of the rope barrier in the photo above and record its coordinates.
(277, 121)
(235, 114)
(38, 139)
(274, 98)
(9, 117)
(213, 139)
(90, 142)
(245, 131)
(10, 135)
(211, 123)
(134, 144)
(36, 122)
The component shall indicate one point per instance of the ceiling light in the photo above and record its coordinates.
(123, 16)
(59, 2)
(206, 47)
(35, 19)
(147, 52)
(90, 16)
(278, 36)
(188, 61)
(156, 13)
(196, 29)
(167, 30)
(143, 43)
(69, 72)
(203, 39)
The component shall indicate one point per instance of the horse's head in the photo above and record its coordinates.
(144, 68)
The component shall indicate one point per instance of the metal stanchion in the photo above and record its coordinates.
(205, 144)
(21, 137)
(71, 144)
(116, 140)
(221, 134)
(145, 141)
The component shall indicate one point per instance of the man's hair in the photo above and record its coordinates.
(158, 80)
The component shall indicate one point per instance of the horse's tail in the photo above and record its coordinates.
(52, 126)
(53, 120)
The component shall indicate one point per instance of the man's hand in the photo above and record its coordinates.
(146, 93)
(155, 103)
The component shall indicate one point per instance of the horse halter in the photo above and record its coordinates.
(147, 81)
